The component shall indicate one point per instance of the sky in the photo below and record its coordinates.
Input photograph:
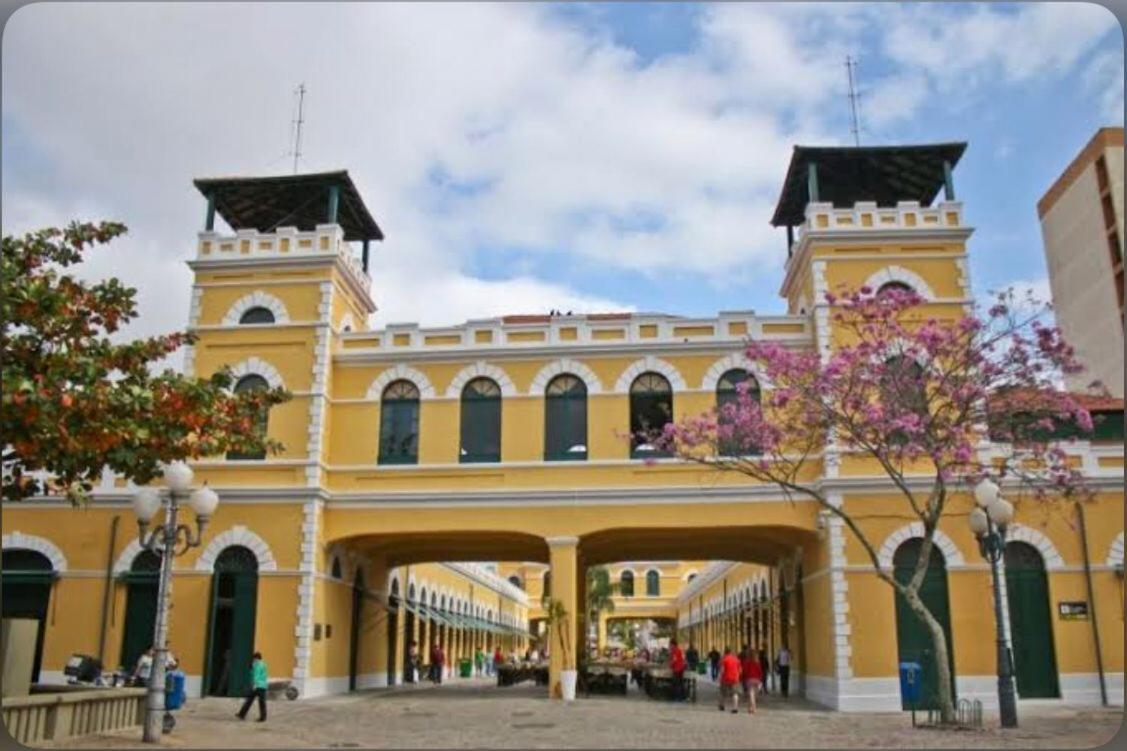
(523, 157)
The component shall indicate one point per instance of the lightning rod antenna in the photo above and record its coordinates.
(300, 91)
(855, 126)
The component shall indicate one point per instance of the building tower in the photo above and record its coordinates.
(270, 301)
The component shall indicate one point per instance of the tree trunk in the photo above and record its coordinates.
(942, 666)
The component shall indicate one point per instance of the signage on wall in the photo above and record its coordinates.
(1073, 611)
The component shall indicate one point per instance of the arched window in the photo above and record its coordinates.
(481, 422)
(27, 582)
(565, 419)
(893, 287)
(626, 584)
(903, 390)
(651, 407)
(399, 424)
(727, 393)
(257, 315)
(653, 584)
(515, 581)
(249, 383)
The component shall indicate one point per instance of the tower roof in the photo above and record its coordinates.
(266, 203)
(847, 174)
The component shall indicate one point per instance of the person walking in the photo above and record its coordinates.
(498, 658)
(439, 662)
(714, 663)
(752, 676)
(692, 657)
(412, 661)
(488, 661)
(478, 661)
(730, 681)
(677, 665)
(782, 667)
(765, 666)
(143, 669)
(258, 684)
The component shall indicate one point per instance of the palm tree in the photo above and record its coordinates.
(600, 592)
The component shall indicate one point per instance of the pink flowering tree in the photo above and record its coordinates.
(937, 404)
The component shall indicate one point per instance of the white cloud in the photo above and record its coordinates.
(576, 148)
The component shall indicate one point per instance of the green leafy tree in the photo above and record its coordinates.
(76, 400)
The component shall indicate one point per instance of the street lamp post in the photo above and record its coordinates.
(168, 540)
(988, 522)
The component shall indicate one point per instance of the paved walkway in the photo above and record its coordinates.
(477, 714)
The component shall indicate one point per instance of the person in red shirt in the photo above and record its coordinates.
(677, 665)
(729, 681)
(752, 676)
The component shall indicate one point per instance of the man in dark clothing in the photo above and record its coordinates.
(765, 666)
(714, 663)
(692, 657)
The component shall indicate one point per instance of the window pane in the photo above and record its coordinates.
(651, 407)
(481, 422)
(257, 315)
(399, 431)
(727, 393)
(249, 383)
(565, 419)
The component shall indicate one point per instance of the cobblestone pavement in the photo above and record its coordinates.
(477, 714)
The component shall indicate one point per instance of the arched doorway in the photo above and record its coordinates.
(234, 598)
(392, 630)
(913, 638)
(142, 586)
(1031, 627)
(354, 633)
(27, 579)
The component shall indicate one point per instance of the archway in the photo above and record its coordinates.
(913, 638)
(27, 579)
(1031, 626)
(234, 598)
(142, 587)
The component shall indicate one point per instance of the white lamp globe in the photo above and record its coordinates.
(146, 503)
(1001, 512)
(178, 476)
(204, 501)
(985, 492)
(979, 524)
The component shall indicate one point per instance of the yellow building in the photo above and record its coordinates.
(409, 450)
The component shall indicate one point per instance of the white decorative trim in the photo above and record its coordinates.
(481, 368)
(1115, 554)
(900, 274)
(645, 365)
(19, 541)
(308, 566)
(258, 366)
(736, 360)
(400, 373)
(565, 365)
(124, 562)
(256, 299)
(951, 553)
(1038, 539)
(237, 535)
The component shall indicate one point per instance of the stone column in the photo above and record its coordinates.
(563, 557)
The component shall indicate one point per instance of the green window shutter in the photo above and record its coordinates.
(565, 419)
(481, 422)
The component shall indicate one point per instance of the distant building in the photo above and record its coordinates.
(1082, 223)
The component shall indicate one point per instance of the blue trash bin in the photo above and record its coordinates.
(911, 685)
(174, 694)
